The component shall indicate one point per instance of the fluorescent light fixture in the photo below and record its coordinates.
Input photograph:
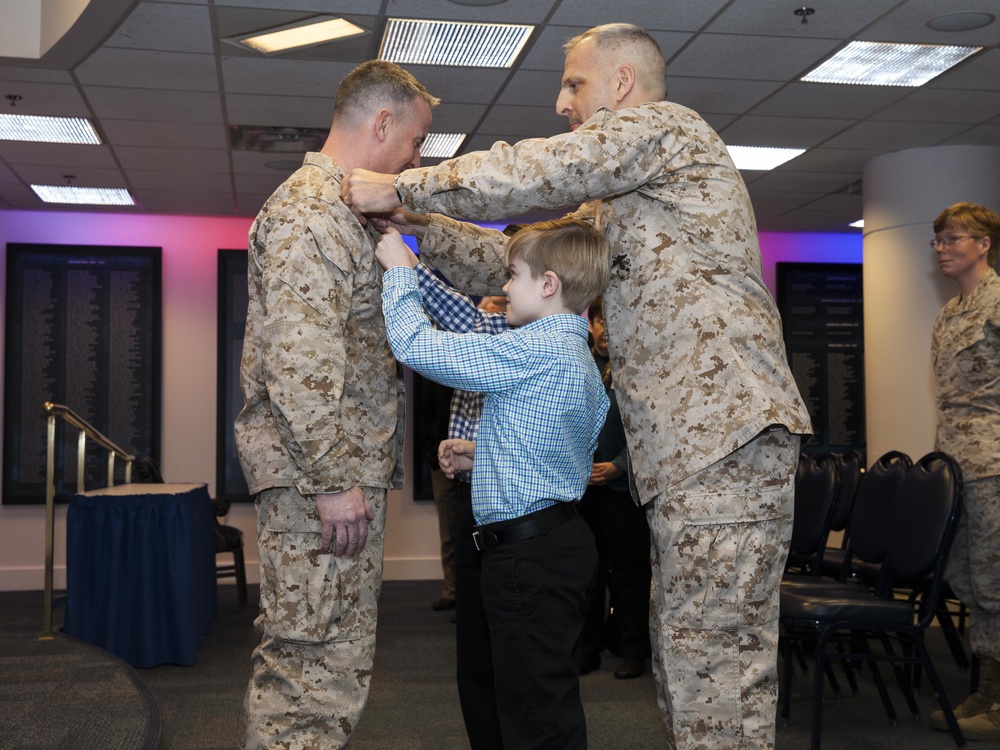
(888, 64)
(90, 196)
(441, 145)
(308, 32)
(47, 129)
(759, 157)
(859, 224)
(480, 45)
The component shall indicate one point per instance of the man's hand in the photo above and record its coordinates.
(345, 516)
(369, 192)
(456, 455)
(391, 251)
(603, 473)
(403, 222)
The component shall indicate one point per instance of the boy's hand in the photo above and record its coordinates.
(391, 251)
(402, 221)
(456, 455)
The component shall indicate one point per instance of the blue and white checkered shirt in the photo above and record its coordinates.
(545, 403)
(453, 311)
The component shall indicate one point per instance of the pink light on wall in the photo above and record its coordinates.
(787, 247)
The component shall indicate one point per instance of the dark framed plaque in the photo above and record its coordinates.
(822, 313)
(429, 409)
(82, 330)
(233, 297)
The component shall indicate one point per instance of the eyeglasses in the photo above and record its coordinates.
(950, 240)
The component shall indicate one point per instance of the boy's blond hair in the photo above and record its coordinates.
(573, 250)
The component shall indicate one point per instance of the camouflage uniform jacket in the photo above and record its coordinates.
(695, 342)
(965, 349)
(323, 401)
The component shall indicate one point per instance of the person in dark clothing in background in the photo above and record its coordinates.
(622, 534)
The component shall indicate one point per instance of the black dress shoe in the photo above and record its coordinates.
(629, 670)
(443, 605)
(590, 664)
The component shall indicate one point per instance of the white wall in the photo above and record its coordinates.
(190, 246)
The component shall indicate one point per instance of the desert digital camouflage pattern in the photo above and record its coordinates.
(695, 338)
(323, 400)
(722, 538)
(312, 671)
(699, 363)
(965, 349)
(973, 568)
(323, 412)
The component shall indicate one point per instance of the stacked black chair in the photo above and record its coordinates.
(816, 488)
(850, 470)
(922, 522)
(862, 560)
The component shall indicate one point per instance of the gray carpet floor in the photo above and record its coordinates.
(413, 703)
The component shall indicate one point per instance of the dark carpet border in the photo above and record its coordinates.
(154, 729)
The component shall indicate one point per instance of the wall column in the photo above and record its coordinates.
(904, 191)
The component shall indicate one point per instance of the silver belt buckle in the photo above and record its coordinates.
(477, 537)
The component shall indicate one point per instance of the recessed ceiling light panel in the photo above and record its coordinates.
(441, 145)
(481, 45)
(762, 158)
(309, 32)
(48, 129)
(89, 196)
(961, 21)
(888, 64)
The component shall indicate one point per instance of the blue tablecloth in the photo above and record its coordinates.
(140, 571)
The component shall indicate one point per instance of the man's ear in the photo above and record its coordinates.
(624, 81)
(382, 121)
(551, 284)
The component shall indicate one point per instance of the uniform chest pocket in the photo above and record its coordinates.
(969, 331)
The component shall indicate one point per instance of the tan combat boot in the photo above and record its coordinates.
(982, 726)
(985, 698)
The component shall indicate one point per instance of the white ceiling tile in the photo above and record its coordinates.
(752, 57)
(785, 132)
(149, 69)
(166, 27)
(168, 106)
(650, 14)
(173, 159)
(890, 136)
(158, 134)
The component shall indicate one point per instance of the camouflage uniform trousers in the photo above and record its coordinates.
(312, 670)
(720, 540)
(974, 564)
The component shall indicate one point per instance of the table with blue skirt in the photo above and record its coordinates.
(140, 571)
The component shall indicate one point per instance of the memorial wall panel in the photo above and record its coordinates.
(82, 330)
(822, 313)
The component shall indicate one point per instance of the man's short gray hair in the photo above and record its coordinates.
(635, 42)
(376, 83)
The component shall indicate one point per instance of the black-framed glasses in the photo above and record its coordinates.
(950, 240)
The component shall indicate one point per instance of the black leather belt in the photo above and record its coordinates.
(489, 535)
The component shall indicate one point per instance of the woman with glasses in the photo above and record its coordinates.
(965, 348)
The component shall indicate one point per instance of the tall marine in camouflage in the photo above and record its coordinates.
(320, 435)
(712, 415)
